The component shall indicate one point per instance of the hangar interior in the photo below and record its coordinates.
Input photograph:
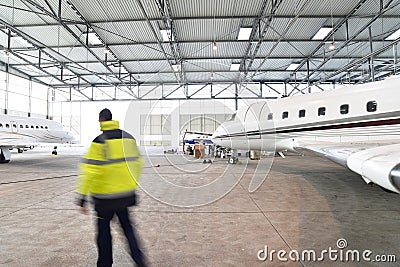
(72, 53)
(179, 65)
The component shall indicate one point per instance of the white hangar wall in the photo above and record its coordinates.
(153, 123)
(23, 97)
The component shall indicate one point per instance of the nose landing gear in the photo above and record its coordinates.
(54, 152)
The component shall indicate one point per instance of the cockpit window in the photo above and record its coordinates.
(232, 117)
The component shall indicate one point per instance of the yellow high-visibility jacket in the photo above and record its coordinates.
(111, 168)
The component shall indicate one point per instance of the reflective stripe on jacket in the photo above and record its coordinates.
(112, 166)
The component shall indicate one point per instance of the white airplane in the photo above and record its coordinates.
(21, 132)
(191, 138)
(356, 126)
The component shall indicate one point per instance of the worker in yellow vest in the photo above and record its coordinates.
(109, 174)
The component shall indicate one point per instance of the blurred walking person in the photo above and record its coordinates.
(109, 174)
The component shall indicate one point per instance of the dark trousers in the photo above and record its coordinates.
(104, 239)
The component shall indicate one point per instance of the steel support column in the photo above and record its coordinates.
(6, 92)
(395, 59)
(236, 96)
(30, 98)
(371, 59)
(48, 103)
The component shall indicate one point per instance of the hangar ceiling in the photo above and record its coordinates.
(76, 45)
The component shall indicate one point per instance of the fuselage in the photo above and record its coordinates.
(18, 131)
(358, 113)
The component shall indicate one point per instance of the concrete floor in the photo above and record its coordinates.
(306, 203)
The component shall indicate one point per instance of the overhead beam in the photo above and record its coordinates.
(42, 66)
(281, 36)
(205, 42)
(219, 71)
(38, 66)
(197, 91)
(174, 98)
(50, 75)
(344, 44)
(337, 26)
(150, 91)
(360, 61)
(19, 73)
(251, 54)
(170, 93)
(316, 58)
(61, 23)
(165, 10)
(244, 86)
(167, 57)
(183, 18)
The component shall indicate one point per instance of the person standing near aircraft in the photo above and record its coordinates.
(109, 174)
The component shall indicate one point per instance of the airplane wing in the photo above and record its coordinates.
(378, 163)
(199, 133)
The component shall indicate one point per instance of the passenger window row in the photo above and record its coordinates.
(344, 109)
(22, 126)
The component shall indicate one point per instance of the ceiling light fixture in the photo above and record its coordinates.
(235, 66)
(331, 46)
(244, 33)
(214, 46)
(393, 36)
(322, 33)
(106, 50)
(176, 67)
(93, 38)
(167, 35)
(293, 66)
